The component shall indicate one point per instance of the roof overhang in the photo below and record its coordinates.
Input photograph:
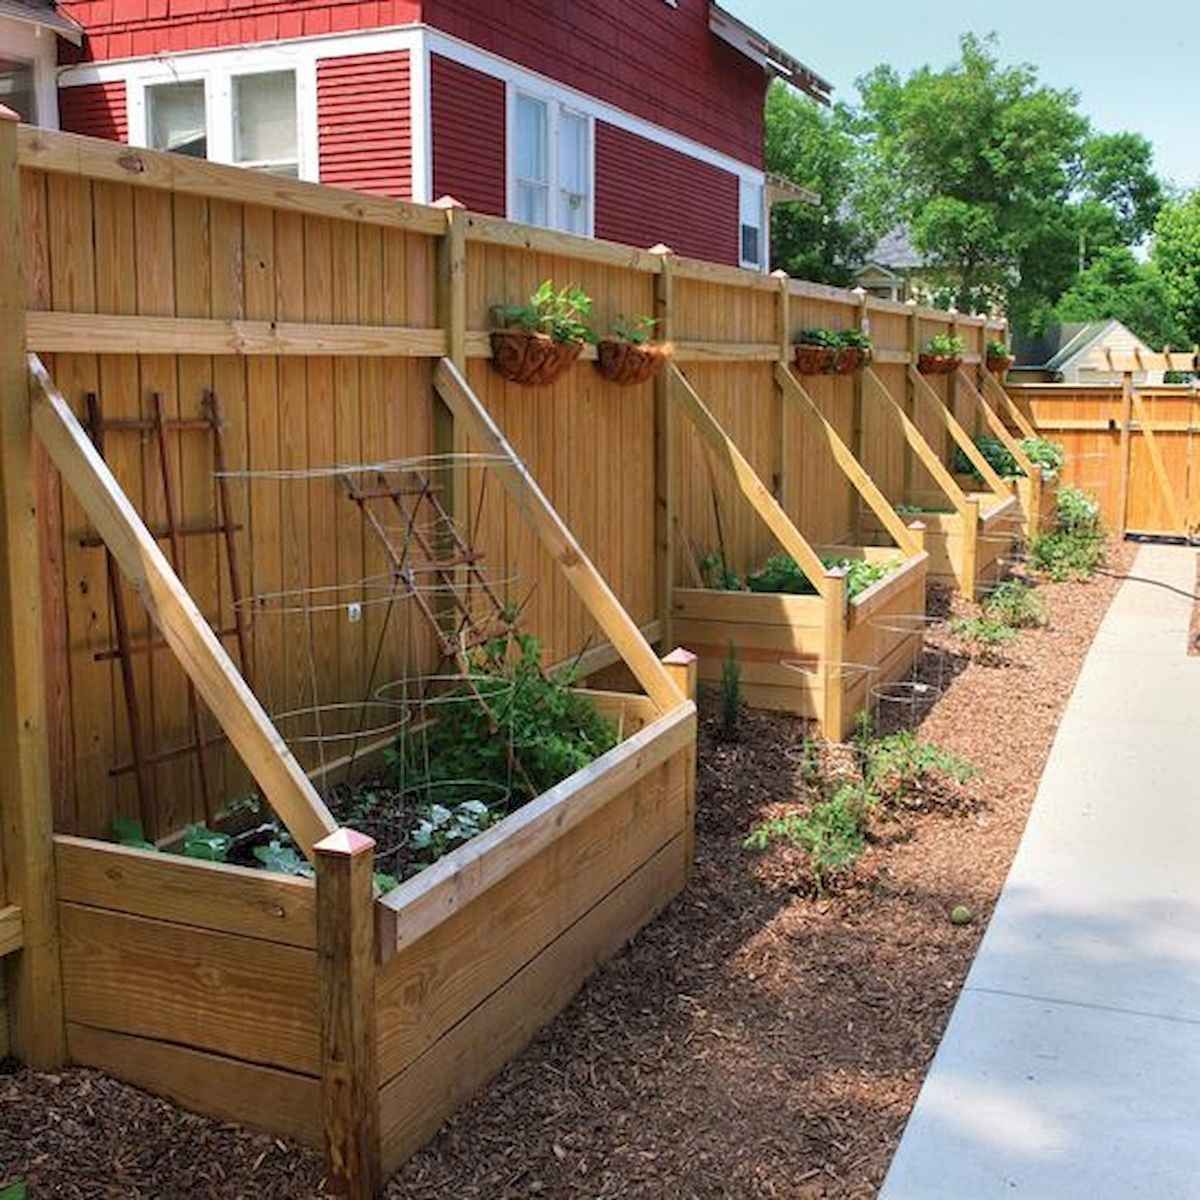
(783, 191)
(773, 59)
(44, 17)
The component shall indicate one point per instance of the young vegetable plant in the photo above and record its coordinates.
(559, 313)
(901, 769)
(637, 331)
(1016, 604)
(731, 695)
(782, 574)
(1048, 455)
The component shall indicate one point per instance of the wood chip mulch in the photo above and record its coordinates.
(754, 1042)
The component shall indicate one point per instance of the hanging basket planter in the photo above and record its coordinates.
(849, 359)
(814, 360)
(532, 359)
(1000, 364)
(626, 364)
(938, 364)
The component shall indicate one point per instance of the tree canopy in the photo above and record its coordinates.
(1005, 189)
(1177, 258)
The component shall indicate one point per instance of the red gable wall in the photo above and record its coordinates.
(642, 56)
(468, 136)
(125, 28)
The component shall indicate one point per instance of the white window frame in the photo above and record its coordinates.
(232, 101)
(217, 72)
(37, 46)
(745, 210)
(555, 104)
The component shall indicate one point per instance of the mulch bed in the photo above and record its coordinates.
(754, 1042)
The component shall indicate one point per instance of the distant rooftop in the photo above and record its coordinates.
(896, 252)
(1058, 345)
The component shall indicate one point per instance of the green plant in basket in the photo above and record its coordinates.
(828, 339)
(945, 345)
(854, 339)
(1042, 452)
(997, 349)
(559, 313)
(637, 331)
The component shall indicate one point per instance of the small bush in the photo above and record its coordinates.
(1075, 510)
(1016, 604)
(1050, 456)
(1067, 554)
(832, 834)
(984, 631)
(717, 575)
(996, 454)
(731, 695)
(782, 574)
(901, 768)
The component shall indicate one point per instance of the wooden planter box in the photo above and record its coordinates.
(1037, 499)
(203, 983)
(781, 641)
(967, 560)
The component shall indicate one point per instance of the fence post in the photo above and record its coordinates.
(34, 982)
(910, 394)
(1125, 452)
(452, 317)
(970, 520)
(952, 380)
(783, 332)
(344, 864)
(664, 451)
(832, 650)
(683, 667)
(862, 321)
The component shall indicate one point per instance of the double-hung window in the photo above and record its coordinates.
(248, 118)
(551, 165)
(17, 88)
(751, 238)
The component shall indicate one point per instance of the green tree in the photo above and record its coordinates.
(1000, 179)
(815, 148)
(1117, 285)
(1177, 256)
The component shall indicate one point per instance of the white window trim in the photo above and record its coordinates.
(764, 232)
(555, 103)
(37, 46)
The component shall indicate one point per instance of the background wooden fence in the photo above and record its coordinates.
(316, 317)
(1121, 472)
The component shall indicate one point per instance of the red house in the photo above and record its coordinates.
(639, 121)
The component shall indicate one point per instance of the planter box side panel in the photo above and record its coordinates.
(218, 1019)
(461, 1001)
(777, 640)
(994, 551)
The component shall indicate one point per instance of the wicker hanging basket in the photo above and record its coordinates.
(1000, 364)
(849, 359)
(814, 360)
(532, 359)
(938, 364)
(626, 364)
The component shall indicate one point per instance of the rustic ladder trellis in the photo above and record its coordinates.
(173, 531)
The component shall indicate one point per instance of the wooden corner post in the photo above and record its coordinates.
(448, 436)
(664, 453)
(345, 863)
(683, 667)
(1125, 451)
(780, 478)
(833, 669)
(862, 321)
(37, 1033)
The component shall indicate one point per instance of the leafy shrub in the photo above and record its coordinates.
(997, 350)
(537, 730)
(560, 313)
(731, 694)
(1075, 510)
(1042, 452)
(853, 339)
(1066, 554)
(994, 451)
(782, 574)
(635, 330)
(945, 345)
(985, 631)
(832, 834)
(1016, 604)
(900, 768)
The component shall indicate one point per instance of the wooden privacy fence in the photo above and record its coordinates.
(1137, 449)
(209, 349)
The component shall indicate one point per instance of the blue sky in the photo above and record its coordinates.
(1136, 66)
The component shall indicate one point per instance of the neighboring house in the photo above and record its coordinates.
(1066, 354)
(640, 121)
(894, 269)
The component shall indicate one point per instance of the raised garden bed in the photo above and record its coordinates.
(968, 560)
(796, 654)
(1037, 497)
(201, 981)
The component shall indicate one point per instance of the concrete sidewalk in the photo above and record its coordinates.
(1071, 1064)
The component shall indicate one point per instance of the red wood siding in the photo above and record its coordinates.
(647, 193)
(468, 121)
(96, 109)
(126, 28)
(642, 56)
(363, 118)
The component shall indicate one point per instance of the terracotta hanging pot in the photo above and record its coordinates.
(938, 364)
(814, 360)
(625, 364)
(531, 358)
